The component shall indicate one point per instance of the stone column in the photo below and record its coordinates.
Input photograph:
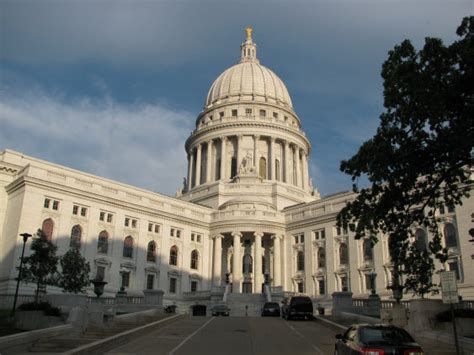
(287, 162)
(190, 169)
(258, 262)
(298, 166)
(223, 157)
(276, 260)
(198, 165)
(305, 170)
(255, 162)
(272, 158)
(236, 272)
(209, 161)
(217, 259)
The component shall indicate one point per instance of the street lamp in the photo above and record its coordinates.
(25, 238)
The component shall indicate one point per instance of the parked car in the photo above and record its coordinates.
(376, 339)
(271, 309)
(220, 310)
(297, 307)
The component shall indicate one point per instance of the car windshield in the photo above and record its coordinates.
(271, 305)
(300, 300)
(391, 335)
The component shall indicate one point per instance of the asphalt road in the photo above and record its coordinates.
(234, 335)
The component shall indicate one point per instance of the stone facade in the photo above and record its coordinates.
(247, 208)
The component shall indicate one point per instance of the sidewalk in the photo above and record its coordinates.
(431, 345)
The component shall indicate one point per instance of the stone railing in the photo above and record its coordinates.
(198, 295)
(6, 300)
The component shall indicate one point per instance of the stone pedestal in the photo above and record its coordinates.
(373, 306)
(153, 297)
(342, 302)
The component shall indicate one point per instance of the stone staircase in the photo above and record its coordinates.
(92, 333)
(237, 303)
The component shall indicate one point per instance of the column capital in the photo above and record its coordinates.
(236, 234)
(210, 142)
(272, 139)
(258, 234)
(199, 146)
(217, 236)
(256, 136)
(277, 236)
(240, 136)
(224, 138)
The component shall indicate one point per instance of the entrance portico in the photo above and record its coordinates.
(247, 256)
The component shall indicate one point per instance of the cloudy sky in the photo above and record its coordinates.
(113, 87)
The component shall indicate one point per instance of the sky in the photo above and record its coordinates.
(113, 88)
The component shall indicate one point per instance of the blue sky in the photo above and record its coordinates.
(113, 87)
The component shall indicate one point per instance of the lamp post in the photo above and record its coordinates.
(25, 238)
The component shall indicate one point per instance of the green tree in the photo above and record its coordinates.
(420, 156)
(74, 276)
(42, 265)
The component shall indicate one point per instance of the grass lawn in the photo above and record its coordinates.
(6, 326)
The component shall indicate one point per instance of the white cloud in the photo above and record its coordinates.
(139, 144)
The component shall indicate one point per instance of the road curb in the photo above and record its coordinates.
(340, 326)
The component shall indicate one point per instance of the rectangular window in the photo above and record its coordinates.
(344, 284)
(55, 205)
(198, 238)
(320, 234)
(275, 115)
(321, 287)
(248, 111)
(172, 232)
(101, 216)
(441, 209)
(100, 275)
(263, 113)
(75, 209)
(192, 237)
(134, 223)
(126, 279)
(450, 209)
(150, 227)
(150, 281)
(300, 287)
(83, 211)
(109, 217)
(234, 113)
(302, 238)
(47, 201)
(157, 228)
(178, 234)
(172, 285)
(221, 114)
(296, 239)
(194, 286)
(127, 222)
(453, 266)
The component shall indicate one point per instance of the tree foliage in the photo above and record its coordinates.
(420, 156)
(42, 265)
(75, 271)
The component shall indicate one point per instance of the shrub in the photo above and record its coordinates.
(46, 307)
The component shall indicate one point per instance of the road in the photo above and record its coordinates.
(234, 335)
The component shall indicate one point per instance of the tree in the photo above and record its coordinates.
(420, 156)
(75, 271)
(42, 265)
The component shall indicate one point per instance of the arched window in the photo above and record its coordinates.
(128, 247)
(263, 168)
(368, 250)
(151, 252)
(343, 254)
(247, 264)
(277, 170)
(321, 257)
(103, 242)
(450, 235)
(420, 240)
(174, 255)
(47, 228)
(194, 259)
(76, 234)
(300, 261)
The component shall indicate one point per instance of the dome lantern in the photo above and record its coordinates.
(248, 49)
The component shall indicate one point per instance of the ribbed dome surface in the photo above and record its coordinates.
(248, 80)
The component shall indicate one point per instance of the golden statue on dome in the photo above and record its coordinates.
(249, 31)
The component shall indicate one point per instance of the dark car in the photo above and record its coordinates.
(271, 309)
(376, 339)
(297, 307)
(220, 310)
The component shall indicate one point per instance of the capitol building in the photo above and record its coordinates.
(247, 212)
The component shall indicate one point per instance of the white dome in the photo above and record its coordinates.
(248, 80)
